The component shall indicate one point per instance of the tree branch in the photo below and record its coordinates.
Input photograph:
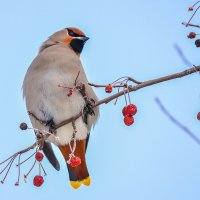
(140, 85)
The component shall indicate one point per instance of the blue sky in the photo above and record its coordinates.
(153, 159)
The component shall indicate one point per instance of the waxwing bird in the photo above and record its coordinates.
(58, 61)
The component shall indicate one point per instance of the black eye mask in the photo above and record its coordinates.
(71, 33)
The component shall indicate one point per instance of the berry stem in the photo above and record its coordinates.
(192, 16)
(39, 168)
(30, 169)
(75, 82)
(7, 165)
(195, 4)
(43, 169)
(125, 97)
(63, 86)
(26, 159)
(115, 103)
(124, 77)
(12, 160)
(129, 99)
(7, 159)
(17, 183)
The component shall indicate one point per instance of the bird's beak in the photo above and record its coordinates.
(84, 39)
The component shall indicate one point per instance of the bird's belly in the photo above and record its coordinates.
(48, 101)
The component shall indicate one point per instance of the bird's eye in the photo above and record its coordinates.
(71, 33)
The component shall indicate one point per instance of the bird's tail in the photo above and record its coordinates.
(78, 175)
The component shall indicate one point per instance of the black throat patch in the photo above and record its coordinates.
(77, 45)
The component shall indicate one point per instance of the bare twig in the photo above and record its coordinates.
(26, 149)
(175, 121)
(127, 78)
(149, 83)
(26, 159)
(99, 86)
(193, 25)
(75, 82)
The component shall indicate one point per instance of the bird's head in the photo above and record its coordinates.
(72, 37)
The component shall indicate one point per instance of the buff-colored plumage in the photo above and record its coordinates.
(56, 64)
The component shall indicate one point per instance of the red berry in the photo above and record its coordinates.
(192, 35)
(70, 92)
(128, 120)
(75, 161)
(108, 88)
(131, 109)
(198, 116)
(190, 9)
(38, 181)
(39, 156)
(124, 111)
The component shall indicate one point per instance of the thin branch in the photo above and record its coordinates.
(149, 83)
(27, 149)
(75, 82)
(134, 88)
(26, 159)
(175, 121)
(133, 80)
(193, 25)
(116, 81)
(192, 15)
(98, 86)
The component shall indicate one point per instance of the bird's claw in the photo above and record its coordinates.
(88, 109)
(51, 125)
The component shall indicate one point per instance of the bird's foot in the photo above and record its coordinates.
(88, 109)
(51, 125)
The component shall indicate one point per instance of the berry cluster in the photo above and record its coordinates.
(193, 35)
(130, 109)
(128, 112)
(38, 179)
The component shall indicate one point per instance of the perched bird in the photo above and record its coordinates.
(58, 61)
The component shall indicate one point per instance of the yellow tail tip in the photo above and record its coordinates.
(75, 184)
(86, 181)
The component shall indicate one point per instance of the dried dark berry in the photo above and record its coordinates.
(23, 126)
(197, 43)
